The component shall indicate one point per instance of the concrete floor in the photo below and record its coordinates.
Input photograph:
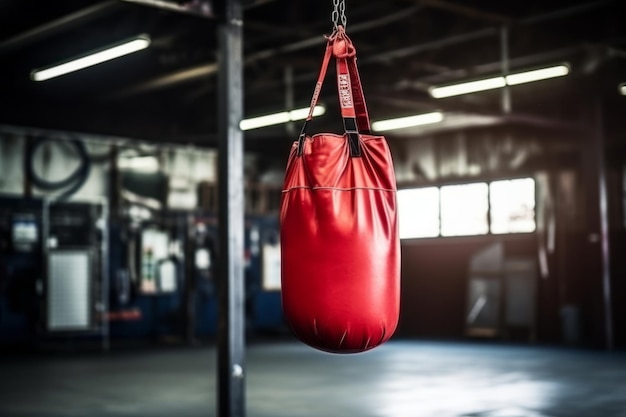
(399, 379)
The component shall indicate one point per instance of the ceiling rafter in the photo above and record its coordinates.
(404, 46)
(204, 70)
(58, 25)
(467, 11)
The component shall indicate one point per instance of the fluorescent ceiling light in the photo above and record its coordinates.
(469, 87)
(451, 121)
(499, 82)
(128, 47)
(278, 118)
(536, 75)
(622, 89)
(145, 164)
(410, 121)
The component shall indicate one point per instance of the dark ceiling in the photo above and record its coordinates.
(168, 92)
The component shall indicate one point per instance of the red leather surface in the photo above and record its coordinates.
(340, 245)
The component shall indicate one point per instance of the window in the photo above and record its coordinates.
(512, 206)
(464, 210)
(418, 212)
(480, 208)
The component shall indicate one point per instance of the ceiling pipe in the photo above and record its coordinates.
(467, 11)
(58, 25)
(270, 33)
(547, 123)
(424, 83)
(565, 12)
(505, 20)
(193, 7)
(177, 77)
(200, 8)
(428, 46)
(318, 40)
(204, 70)
(209, 69)
(492, 67)
(97, 10)
(483, 33)
(421, 84)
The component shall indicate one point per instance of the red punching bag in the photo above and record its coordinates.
(339, 231)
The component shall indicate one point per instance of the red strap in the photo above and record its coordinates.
(362, 117)
(320, 78)
(344, 87)
(351, 98)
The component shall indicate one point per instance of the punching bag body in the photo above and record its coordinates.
(339, 232)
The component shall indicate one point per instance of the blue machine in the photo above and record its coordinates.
(21, 263)
(187, 298)
(263, 291)
(45, 294)
(159, 315)
(262, 304)
(135, 310)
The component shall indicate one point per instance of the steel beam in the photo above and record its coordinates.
(554, 56)
(231, 325)
(210, 68)
(195, 8)
(201, 8)
(58, 25)
(567, 11)
(467, 11)
(204, 70)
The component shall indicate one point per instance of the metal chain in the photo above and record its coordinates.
(338, 16)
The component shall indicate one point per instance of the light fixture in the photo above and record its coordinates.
(499, 82)
(468, 87)
(536, 75)
(622, 89)
(127, 47)
(278, 118)
(410, 121)
(145, 164)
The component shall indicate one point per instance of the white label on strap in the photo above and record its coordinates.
(316, 94)
(345, 95)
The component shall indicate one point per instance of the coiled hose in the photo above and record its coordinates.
(74, 181)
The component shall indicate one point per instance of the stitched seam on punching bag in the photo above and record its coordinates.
(338, 189)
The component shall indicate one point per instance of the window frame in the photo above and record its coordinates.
(466, 181)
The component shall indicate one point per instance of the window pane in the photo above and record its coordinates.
(418, 212)
(513, 206)
(464, 210)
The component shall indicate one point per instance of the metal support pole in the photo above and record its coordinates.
(114, 181)
(599, 150)
(231, 329)
(27, 186)
(105, 277)
(598, 259)
(504, 48)
(289, 99)
(191, 284)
